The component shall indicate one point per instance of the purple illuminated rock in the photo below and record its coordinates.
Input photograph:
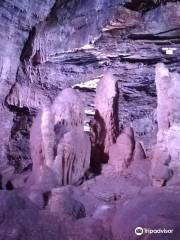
(16, 21)
(68, 109)
(139, 153)
(168, 136)
(121, 153)
(105, 125)
(106, 104)
(61, 202)
(73, 157)
(153, 209)
(58, 140)
(6, 175)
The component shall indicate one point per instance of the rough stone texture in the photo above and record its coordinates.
(61, 202)
(48, 46)
(118, 39)
(128, 159)
(160, 170)
(111, 188)
(168, 139)
(139, 153)
(58, 141)
(6, 173)
(73, 157)
(18, 216)
(121, 153)
(68, 109)
(18, 149)
(17, 19)
(105, 125)
(21, 219)
(153, 209)
(106, 105)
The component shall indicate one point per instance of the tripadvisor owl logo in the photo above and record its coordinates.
(139, 231)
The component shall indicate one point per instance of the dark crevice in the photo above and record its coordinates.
(28, 47)
(142, 36)
(20, 111)
(146, 5)
(167, 31)
(9, 185)
(144, 61)
(46, 197)
(17, 149)
(1, 182)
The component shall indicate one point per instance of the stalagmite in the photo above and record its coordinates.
(58, 141)
(126, 157)
(139, 153)
(73, 157)
(121, 153)
(106, 104)
(167, 152)
(105, 125)
(48, 136)
(68, 109)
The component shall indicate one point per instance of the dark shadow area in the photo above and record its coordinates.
(46, 197)
(97, 136)
(145, 5)
(9, 185)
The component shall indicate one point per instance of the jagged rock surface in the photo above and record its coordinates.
(16, 21)
(48, 46)
(127, 158)
(124, 41)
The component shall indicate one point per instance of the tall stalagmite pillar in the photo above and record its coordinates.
(166, 159)
(105, 126)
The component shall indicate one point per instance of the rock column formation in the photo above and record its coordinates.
(105, 126)
(167, 154)
(126, 156)
(106, 104)
(58, 141)
(121, 153)
(139, 152)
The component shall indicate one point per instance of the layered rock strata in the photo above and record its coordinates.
(57, 56)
